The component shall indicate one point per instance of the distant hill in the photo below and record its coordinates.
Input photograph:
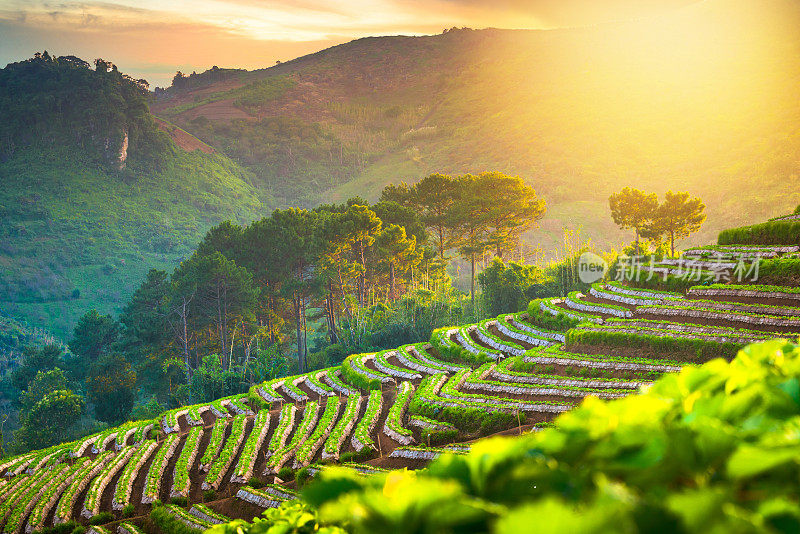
(93, 194)
(703, 99)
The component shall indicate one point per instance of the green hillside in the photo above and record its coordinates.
(80, 225)
(701, 100)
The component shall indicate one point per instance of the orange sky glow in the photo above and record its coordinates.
(153, 39)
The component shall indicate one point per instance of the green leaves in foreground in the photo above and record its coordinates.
(714, 448)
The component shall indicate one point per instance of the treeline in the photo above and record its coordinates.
(50, 99)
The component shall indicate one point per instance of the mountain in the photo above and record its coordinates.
(703, 99)
(93, 193)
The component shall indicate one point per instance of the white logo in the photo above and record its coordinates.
(591, 267)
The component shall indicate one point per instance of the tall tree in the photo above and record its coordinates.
(396, 254)
(51, 420)
(93, 336)
(514, 208)
(35, 360)
(111, 389)
(471, 214)
(633, 208)
(676, 218)
(433, 197)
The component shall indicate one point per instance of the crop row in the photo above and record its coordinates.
(205, 513)
(382, 364)
(91, 505)
(126, 527)
(180, 479)
(420, 421)
(247, 461)
(549, 306)
(479, 380)
(484, 333)
(601, 291)
(752, 291)
(689, 328)
(393, 427)
(292, 391)
(282, 455)
(453, 389)
(227, 454)
(122, 493)
(52, 493)
(15, 511)
(506, 325)
(179, 514)
(259, 498)
(555, 355)
(315, 384)
(285, 425)
(308, 449)
(340, 433)
(362, 437)
(574, 301)
(355, 372)
(82, 479)
(505, 373)
(758, 309)
(463, 337)
(214, 444)
(463, 413)
(712, 337)
(729, 315)
(156, 472)
(416, 357)
(335, 380)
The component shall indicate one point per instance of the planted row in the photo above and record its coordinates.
(91, 505)
(340, 433)
(122, 494)
(362, 437)
(574, 301)
(227, 454)
(282, 455)
(308, 449)
(82, 479)
(214, 444)
(393, 427)
(247, 461)
(285, 425)
(180, 479)
(156, 472)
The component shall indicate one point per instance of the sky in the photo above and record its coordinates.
(152, 39)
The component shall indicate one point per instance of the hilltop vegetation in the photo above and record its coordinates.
(94, 194)
(579, 113)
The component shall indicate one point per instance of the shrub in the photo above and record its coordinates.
(768, 233)
(128, 510)
(303, 476)
(101, 518)
(286, 473)
(179, 500)
(256, 483)
(63, 528)
(209, 495)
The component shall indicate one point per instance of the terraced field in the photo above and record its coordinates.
(392, 409)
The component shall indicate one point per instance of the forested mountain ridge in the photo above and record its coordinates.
(94, 194)
(699, 100)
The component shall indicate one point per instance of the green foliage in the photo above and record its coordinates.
(688, 455)
(286, 473)
(68, 527)
(41, 385)
(633, 208)
(111, 388)
(779, 271)
(128, 510)
(93, 336)
(101, 518)
(768, 233)
(289, 518)
(169, 523)
(689, 350)
(50, 420)
(508, 287)
(547, 321)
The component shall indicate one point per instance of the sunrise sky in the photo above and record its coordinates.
(154, 38)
